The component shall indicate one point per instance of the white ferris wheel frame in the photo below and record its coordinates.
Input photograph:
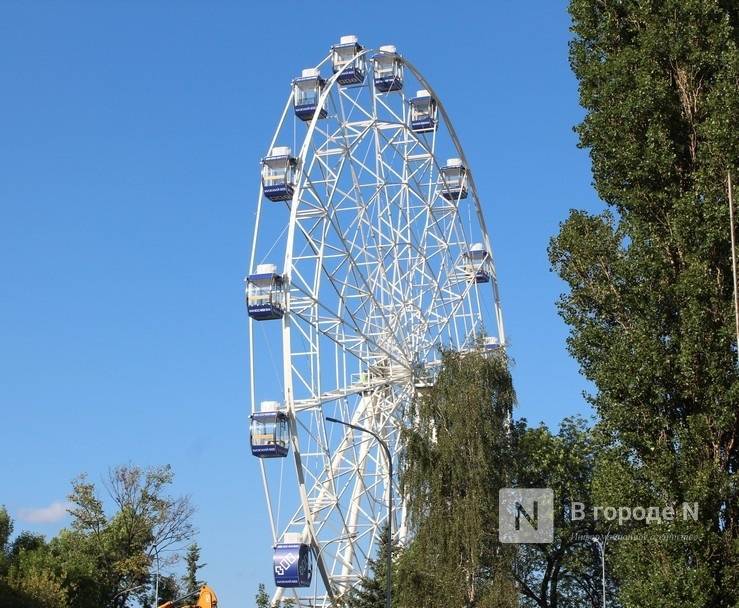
(359, 461)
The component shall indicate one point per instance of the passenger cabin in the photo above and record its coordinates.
(491, 344)
(306, 94)
(388, 69)
(278, 174)
(269, 432)
(453, 180)
(476, 260)
(344, 59)
(423, 112)
(292, 562)
(265, 294)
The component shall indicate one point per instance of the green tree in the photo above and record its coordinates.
(457, 456)
(38, 587)
(650, 283)
(169, 590)
(567, 572)
(192, 557)
(104, 559)
(371, 589)
(33, 579)
(26, 542)
(6, 531)
(124, 544)
(76, 558)
(6, 528)
(262, 598)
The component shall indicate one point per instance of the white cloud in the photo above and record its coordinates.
(44, 515)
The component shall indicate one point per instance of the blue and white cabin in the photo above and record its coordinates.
(278, 174)
(292, 563)
(265, 294)
(388, 69)
(343, 58)
(476, 262)
(453, 180)
(491, 344)
(269, 433)
(423, 112)
(306, 94)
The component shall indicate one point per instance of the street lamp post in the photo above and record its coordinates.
(389, 588)
(602, 546)
(156, 593)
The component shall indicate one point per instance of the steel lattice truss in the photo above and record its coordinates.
(374, 257)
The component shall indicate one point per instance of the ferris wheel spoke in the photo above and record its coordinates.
(397, 118)
(354, 173)
(338, 232)
(333, 325)
(324, 497)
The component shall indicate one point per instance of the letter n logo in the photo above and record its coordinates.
(526, 515)
(533, 522)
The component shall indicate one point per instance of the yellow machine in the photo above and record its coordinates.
(206, 599)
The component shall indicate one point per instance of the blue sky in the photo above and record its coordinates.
(130, 135)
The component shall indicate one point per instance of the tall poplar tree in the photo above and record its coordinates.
(650, 299)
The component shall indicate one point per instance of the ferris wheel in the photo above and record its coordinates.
(370, 253)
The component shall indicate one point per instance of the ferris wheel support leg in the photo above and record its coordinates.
(309, 533)
(337, 459)
(357, 492)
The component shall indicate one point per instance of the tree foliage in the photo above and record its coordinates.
(191, 583)
(146, 524)
(650, 282)
(567, 572)
(107, 557)
(29, 578)
(457, 456)
(261, 599)
(371, 590)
